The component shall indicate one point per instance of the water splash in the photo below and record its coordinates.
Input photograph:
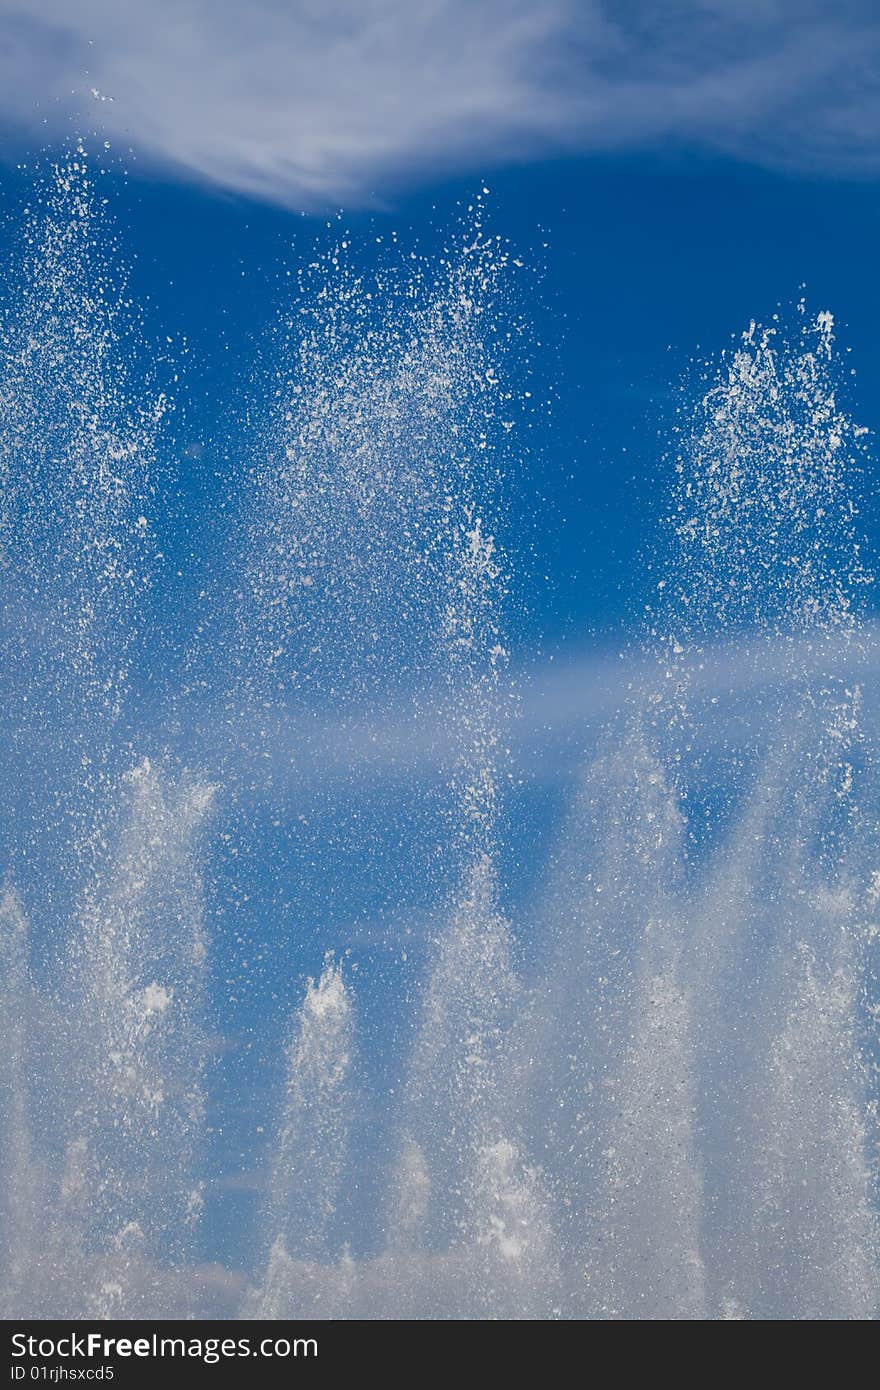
(311, 1158)
(108, 998)
(785, 938)
(77, 459)
(462, 1183)
(138, 976)
(670, 1113)
(20, 1178)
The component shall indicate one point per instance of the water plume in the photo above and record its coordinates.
(651, 1093)
(18, 1163)
(138, 975)
(311, 1157)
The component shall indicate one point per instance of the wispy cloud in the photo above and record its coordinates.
(551, 726)
(312, 101)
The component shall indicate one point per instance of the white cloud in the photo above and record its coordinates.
(561, 707)
(313, 101)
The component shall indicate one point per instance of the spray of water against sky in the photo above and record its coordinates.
(656, 1097)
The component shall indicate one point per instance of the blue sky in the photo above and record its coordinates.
(669, 178)
(644, 265)
(666, 174)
